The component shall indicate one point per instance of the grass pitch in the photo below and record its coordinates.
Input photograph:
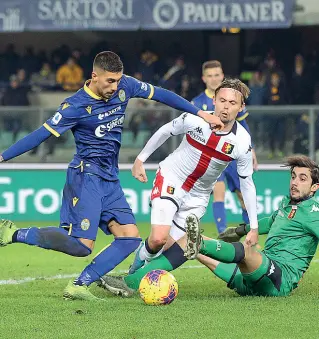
(204, 308)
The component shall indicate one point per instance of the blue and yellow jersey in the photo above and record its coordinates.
(97, 125)
(205, 102)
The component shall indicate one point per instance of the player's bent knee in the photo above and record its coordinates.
(88, 243)
(239, 252)
(81, 250)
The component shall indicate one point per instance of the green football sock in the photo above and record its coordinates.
(159, 263)
(223, 251)
(225, 271)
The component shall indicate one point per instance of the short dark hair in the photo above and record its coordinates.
(304, 161)
(108, 61)
(211, 64)
(235, 84)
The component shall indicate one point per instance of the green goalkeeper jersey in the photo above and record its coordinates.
(293, 233)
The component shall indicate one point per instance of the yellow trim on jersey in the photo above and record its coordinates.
(70, 229)
(104, 248)
(211, 96)
(50, 129)
(151, 93)
(243, 117)
(80, 166)
(90, 92)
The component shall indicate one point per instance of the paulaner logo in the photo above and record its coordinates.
(166, 13)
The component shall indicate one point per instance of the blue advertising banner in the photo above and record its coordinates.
(215, 14)
(69, 15)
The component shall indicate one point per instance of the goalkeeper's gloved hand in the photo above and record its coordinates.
(233, 234)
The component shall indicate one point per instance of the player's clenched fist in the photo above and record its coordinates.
(212, 119)
(138, 171)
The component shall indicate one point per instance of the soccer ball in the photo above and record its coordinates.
(158, 287)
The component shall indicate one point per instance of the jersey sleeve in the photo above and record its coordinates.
(242, 115)
(245, 163)
(64, 119)
(139, 89)
(197, 102)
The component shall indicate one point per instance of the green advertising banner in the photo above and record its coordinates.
(35, 195)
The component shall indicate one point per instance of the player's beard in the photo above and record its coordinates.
(301, 198)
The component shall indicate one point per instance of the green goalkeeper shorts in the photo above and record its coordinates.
(268, 280)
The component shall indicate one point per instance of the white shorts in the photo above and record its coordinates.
(171, 204)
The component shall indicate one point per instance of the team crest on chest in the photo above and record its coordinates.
(227, 148)
(204, 107)
(292, 213)
(122, 95)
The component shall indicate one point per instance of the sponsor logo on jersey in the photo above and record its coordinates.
(170, 189)
(89, 109)
(155, 190)
(314, 209)
(143, 86)
(65, 105)
(75, 201)
(249, 149)
(56, 118)
(108, 113)
(272, 269)
(199, 130)
(227, 148)
(197, 137)
(85, 224)
(292, 213)
(101, 130)
(122, 95)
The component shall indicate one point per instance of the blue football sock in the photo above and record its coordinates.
(107, 259)
(51, 238)
(245, 216)
(219, 213)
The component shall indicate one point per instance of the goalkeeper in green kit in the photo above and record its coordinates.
(293, 233)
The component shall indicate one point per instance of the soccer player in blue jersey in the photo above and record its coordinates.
(212, 76)
(93, 197)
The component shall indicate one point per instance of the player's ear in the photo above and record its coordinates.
(94, 76)
(314, 188)
(203, 78)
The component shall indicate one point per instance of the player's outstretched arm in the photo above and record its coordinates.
(174, 100)
(26, 144)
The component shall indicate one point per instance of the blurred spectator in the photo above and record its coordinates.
(44, 79)
(70, 76)
(186, 89)
(29, 62)
(269, 67)
(257, 89)
(302, 83)
(82, 61)
(147, 68)
(276, 95)
(15, 95)
(9, 62)
(22, 77)
(173, 77)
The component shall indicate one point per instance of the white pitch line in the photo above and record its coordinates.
(65, 276)
(74, 275)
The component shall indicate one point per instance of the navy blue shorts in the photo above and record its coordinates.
(231, 176)
(90, 202)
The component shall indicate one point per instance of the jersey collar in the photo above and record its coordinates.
(89, 91)
(233, 130)
(208, 94)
